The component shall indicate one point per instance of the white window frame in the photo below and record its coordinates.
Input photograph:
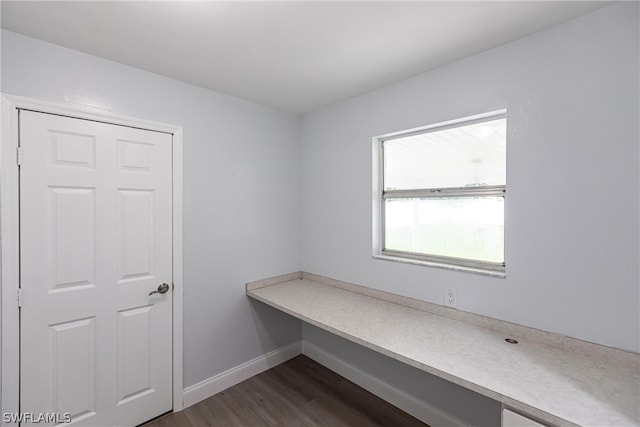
(379, 196)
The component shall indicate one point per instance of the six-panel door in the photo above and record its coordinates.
(95, 240)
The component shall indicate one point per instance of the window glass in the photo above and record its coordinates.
(459, 227)
(465, 156)
(442, 193)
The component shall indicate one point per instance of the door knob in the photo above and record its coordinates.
(162, 289)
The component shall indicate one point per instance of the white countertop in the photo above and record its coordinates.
(586, 384)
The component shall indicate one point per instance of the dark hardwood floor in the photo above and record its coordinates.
(299, 392)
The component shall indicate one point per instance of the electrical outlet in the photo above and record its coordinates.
(451, 297)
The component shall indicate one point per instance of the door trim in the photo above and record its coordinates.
(9, 236)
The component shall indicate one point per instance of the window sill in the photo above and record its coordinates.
(490, 273)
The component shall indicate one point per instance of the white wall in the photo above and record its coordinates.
(240, 191)
(572, 215)
(572, 210)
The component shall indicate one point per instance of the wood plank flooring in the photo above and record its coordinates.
(299, 392)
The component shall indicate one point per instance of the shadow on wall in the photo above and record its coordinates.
(468, 407)
(274, 328)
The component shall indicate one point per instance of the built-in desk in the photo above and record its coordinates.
(556, 379)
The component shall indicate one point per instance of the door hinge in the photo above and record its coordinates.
(19, 156)
(19, 297)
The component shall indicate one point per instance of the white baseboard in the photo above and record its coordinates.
(207, 388)
(391, 394)
(421, 410)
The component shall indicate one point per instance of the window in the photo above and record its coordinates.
(440, 194)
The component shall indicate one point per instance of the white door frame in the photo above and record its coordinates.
(9, 236)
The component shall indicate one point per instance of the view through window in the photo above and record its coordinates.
(444, 191)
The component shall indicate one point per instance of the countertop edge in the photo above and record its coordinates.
(515, 404)
(545, 338)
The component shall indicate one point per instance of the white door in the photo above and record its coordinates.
(95, 240)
